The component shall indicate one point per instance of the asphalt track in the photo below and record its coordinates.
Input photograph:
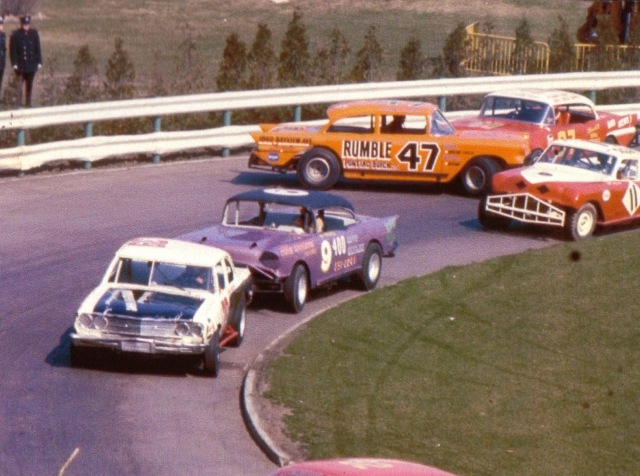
(125, 416)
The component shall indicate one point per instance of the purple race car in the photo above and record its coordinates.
(295, 240)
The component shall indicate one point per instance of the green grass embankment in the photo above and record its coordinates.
(524, 365)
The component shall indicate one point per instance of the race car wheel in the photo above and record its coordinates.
(239, 321)
(211, 358)
(477, 176)
(611, 140)
(581, 223)
(318, 169)
(490, 221)
(296, 287)
(371, 267)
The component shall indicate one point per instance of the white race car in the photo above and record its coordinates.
(165, 297)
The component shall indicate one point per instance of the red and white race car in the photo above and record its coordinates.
(164, 297)
(359, 466)
(549, 115)
(574, 184)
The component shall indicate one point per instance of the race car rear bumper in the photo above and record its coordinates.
(526, 208)
(257, 162)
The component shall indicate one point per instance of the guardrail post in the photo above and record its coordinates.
(442, 103)
(297, 114)
(157, 125)
(20, 137)
(226, 121)
(88, 132)
(592, 95)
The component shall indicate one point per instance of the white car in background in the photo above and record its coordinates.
(165, 297)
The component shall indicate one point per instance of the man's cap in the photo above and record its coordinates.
(25, 20)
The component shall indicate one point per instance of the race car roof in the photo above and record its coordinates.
(170, 251)
(303, 198)
(378, 107)
(552, 97)
(596, 146)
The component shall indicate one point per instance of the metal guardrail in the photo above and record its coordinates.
(88, 149)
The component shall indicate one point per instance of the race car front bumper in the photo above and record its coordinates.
(526, 208)
(138, 345)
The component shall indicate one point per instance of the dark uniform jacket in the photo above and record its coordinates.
(3, 49)
(25, 52)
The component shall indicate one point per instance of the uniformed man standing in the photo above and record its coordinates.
(26, 58)
(3, 50)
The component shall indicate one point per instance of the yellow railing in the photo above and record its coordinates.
(584, 53)
(494, 54)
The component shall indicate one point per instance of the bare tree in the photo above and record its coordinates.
(368, 58)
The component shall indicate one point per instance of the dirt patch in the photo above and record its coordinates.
(479, 8)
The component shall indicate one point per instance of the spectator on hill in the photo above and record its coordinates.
(26, 57)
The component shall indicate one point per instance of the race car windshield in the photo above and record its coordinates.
(578, 158)
(148, 273)
(244, 213)
(440, 126)
(518, 109)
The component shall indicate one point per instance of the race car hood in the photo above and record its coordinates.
(152, 304)
(544, 173)
(493, 124)
(505, 135)
(548, 173)
(244, 244)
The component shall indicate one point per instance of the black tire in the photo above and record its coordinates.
(318, 169)
(477, 175)
(369, 275)
(211, 357)
(581, 223)
(239, 321)
(296, 288)
(611, 140)
(491, 221)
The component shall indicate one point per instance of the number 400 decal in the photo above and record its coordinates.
(421, 156)
(337, 247)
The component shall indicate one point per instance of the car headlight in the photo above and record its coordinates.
(270, 260)
(182, 329)
(90, 321)
(197, 330)
(85, 320)
(100, 322)
(189, 329)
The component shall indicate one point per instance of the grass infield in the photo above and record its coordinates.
(526, 364)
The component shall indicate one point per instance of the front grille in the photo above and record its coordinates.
(526, 208)
(145, 327)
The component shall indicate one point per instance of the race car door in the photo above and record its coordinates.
(341, 246)
(414, 151)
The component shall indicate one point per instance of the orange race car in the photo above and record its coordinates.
(388, 140)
